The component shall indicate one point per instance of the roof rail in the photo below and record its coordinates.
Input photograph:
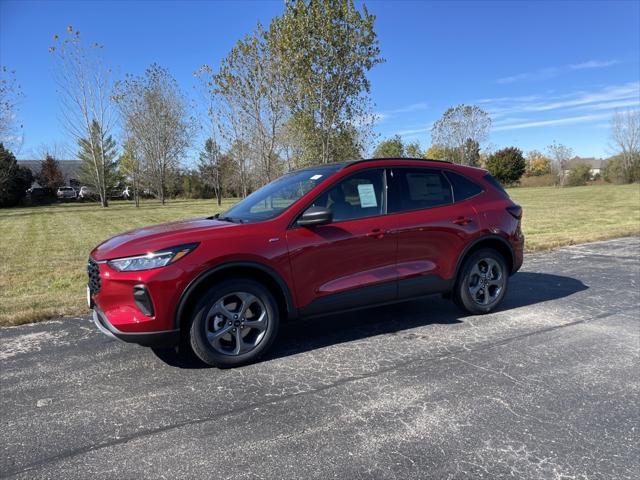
(364, 160)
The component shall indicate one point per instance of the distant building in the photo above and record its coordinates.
(70, 170)
(596, 165)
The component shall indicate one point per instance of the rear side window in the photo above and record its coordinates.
(463, 188)
(418, 188)
(495, 183)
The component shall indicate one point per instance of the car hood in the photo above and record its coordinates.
(157, 237)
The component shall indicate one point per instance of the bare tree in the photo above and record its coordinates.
(560, 156)
(10, 97)
(85, 88)
(210, 167)
(154, 114)
(625, 138)
(247, 105)
(459, 126)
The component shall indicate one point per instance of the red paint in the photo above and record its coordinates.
(312, 261)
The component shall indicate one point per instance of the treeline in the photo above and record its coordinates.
(285, 96)
(458, 134)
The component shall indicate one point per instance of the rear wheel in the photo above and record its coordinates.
(234, 323)
(482, 282)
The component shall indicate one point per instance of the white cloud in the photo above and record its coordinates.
(609, 97)
(414, 107)
(412, 131)
(551, 72)
(558, 121)
(555, 121)
(593, 64)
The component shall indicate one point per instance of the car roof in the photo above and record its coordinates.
(399, 161)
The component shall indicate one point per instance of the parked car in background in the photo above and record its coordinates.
(38, 195)
(316, 241)
(66, 193)
(85, 193)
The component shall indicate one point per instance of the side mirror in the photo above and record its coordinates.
(315, 216)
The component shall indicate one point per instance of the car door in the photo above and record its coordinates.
(349, 262)
(431, 230)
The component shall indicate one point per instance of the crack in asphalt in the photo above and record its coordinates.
(196, 421)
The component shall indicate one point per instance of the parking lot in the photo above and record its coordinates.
(546, 387)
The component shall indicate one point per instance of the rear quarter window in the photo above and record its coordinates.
(463, 188)
(496, 184)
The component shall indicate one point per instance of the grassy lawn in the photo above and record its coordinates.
(564, 216)
(44, 249)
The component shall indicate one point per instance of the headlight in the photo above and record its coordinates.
(157, 259)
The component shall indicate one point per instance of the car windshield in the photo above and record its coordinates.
(277, 196)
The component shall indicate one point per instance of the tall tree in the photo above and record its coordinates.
(10, 97)
(537, 164)
(85, 92)
(560, 155)
(413, 150)
(98, 168)
(155, 116)
(390, 148)
(250, 81)
(211, 168)
(471, 153)
(14, 179)
(50, 174)
(325, 48)
(625, 137)
(458, 126)
(507, 165)
(436, 152)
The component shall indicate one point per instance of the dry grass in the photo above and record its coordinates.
(565, 216)
(44, 249)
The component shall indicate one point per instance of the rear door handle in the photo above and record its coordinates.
(463, 221)
(376, 233)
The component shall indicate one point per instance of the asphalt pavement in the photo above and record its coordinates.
(546, 387)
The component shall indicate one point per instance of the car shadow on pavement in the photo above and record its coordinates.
(525, 288)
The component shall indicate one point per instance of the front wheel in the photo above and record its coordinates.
(234, 323)
(482, 282)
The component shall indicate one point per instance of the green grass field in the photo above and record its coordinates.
(44, 249)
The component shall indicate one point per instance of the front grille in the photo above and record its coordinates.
(93, 270)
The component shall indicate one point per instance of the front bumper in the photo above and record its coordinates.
(166, 338)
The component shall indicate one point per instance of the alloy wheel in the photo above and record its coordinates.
(236, 323)
(486, 281)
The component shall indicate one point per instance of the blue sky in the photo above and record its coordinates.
(546, 71)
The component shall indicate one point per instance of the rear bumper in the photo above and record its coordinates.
(167, 338)
(518, 254)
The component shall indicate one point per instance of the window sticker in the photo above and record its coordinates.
(316, 177)
(367, 195)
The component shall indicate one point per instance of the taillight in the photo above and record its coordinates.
(515, 211)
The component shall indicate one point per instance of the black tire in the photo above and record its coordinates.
(469, 279)
(205, 323)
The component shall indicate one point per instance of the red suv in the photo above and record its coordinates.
(325, 239)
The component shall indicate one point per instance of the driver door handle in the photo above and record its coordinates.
(463, 221)
(376, 233)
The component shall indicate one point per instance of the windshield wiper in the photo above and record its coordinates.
(229, 219)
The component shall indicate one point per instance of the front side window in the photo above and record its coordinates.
(277, 196)
(418, 188)
(358, 196)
